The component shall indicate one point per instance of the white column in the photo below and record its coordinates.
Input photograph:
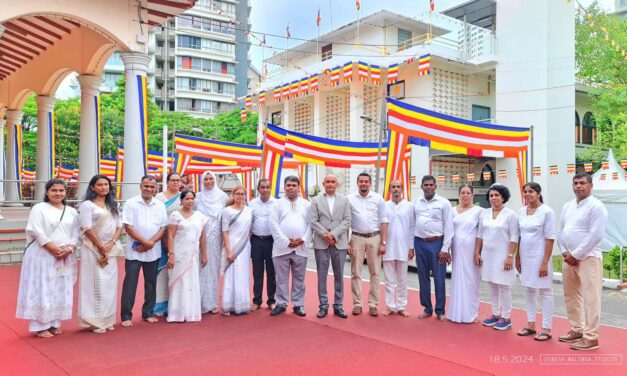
(356, 131)
(12, 193)
(135, 66)
(317, 131)
(2, 152)
(45, 154)
(89, 144)
(288, 114)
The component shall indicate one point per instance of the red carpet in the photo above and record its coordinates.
(260, 344)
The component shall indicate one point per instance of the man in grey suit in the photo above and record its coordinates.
(330, 217)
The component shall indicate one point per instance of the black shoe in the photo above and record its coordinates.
(300, 311)
(322, 313)
(277, 310)
(340, 313)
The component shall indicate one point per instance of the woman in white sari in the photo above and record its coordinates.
(101, 227)
(186, 235)
(170, 197)
(237, 222)
(466, 276)
(210, 202)
(46, 292)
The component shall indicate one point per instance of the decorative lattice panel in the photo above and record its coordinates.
(371, 109)
(449, 166)
(450, 90)
(337, 125)
(303, 118)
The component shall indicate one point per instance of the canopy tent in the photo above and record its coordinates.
(610, 186)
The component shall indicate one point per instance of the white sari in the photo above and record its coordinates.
(46, 292)
(236, 293)
(161, 304)
(210, 202)
(183, 279)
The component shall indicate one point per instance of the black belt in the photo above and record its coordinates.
(369, 235)
(431, 239)
(262, 237)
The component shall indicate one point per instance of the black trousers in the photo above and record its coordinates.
(261, 254)
(129, 288)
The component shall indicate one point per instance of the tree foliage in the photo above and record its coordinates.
(602, 67)
(225, 126)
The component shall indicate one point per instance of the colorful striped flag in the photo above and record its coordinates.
(272, 157)
(602, 177)
(28, 174)
(605, 164)
(413, 180)
(348, 72)
(397, 146)
(303, 176)
(432, 5)
(424, 65)
(623, 163)
(487, 175)
(614, 175)
(249, 102)
(502, 174)
(553, 170)
(107, 167)
(243, 116)
(142, 85)
(392, 73)
(357, 4)
(362, 71)
(570, 168)
(313, 83)
(375, 74)
(318, 19)
(335, 76)
(587, 166)
(262, 98)
(277, 94)
(470, 177)
(455, 178)
(537, 171)
(441, 179)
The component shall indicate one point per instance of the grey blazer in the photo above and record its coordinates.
(323, 221)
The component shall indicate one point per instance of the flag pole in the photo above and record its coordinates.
(165, 158)
(530, 163)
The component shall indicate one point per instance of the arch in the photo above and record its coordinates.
(577, 128)
(589, 125)
(51, 86)
(588, 120)
(99, 59)
(489, 182)
(577, 122)
(20, 98)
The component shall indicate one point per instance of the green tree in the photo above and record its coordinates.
(602, 67)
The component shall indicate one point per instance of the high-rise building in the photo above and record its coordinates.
(620, 8)
(199, 60)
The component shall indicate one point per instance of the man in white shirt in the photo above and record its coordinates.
(290, 231)
(581, 230)
(330, 217)
(433, 236)
(368, 240)
(261, 246)
(145, 219)
(400, 249)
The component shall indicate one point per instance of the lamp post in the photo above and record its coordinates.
(370, 120)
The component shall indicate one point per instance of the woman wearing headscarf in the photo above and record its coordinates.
(210, 201)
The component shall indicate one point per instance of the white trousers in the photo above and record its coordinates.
(36, 326)
(395, 273)
(547, 305)
(501, 300)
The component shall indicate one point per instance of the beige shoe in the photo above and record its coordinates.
(373, 311)
(585, 344)
(357, 310)
(571, 336)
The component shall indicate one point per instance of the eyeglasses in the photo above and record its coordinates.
(239, 194)
(175, 180)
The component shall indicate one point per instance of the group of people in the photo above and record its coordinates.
(184, 241)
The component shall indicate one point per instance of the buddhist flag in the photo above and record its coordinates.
(455, 178)
(623, 163)
(614, 175)
(413, 180)
(470, 177)
(348, 72)
(502, 174)
(605, 165)
(432, 5)
(243, 116)
(277, 94)
(537, 171)
(249, 102)
(570, 168)
(272, 157)
(335, 76)
(362, 72)
(553, 170)
(424, 65)
(587, 166)
(303, 176)
(375, 74)
(487, 175)
(358, 4)
(602, 178)
(397, 146)
(318, 19)
(262, 98)
(392, 73)
(441, 179)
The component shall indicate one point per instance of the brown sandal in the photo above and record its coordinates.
(524, 332)
(543, 336)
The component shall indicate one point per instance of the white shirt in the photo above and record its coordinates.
(261, 216)
(147, 220)
(289, 220)
(400, 239)
(434, 218)
(367, 213)
(330, 202)
(582, 227)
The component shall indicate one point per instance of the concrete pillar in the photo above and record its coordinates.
(44, 166)
(13, 161)
(89, 144)
(135, 119)
(317, 131)
(2, 152)
(356, 131)
(540, 91)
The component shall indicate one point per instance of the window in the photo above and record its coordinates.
(588, 136)
(187, 41)
(623, 3)
(577, 129)
(205, 65)
(404, 39)
(327, 52)
(488, 182)
(276, 118)
(481, 113)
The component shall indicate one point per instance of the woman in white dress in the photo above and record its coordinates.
(497, 239)
(101, 227)
(237, 222)
(46, 293)
(186, 236)
(170, 197)
(534, 262)
(210, 202)
(466, 276)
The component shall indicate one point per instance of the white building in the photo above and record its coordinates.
(620, 8)
(507, 73)
(197, 64)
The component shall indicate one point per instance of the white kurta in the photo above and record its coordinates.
(97, 286)
(465, 276)
(236, 288)
(183, 279)
(401, 224)
(535, 230)
(46, 285)
(497, 234)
